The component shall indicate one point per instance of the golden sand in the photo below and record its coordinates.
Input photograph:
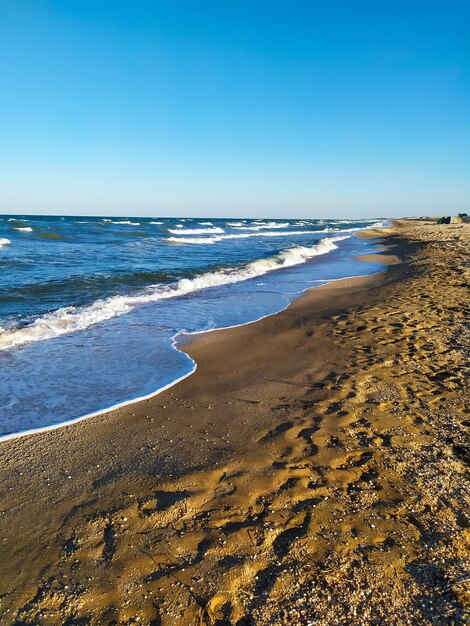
(312, 470)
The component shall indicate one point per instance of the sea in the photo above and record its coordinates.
(91, 308)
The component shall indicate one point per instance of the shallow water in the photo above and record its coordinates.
(89, 307)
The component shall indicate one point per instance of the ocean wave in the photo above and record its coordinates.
(234, 223)
(52, 236)
(263, 225)
(73, 319)
(370, 225)
(155, 222)
(206, 223)
(352, 221)
(330, 229)
(196, 231)
(97, 285)
(4, 242)
(216, 238)
(126, 222)
(333, 221)
(26, 229)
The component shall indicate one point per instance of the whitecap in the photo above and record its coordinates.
(330, 229)
(217, 238)
(72, 319)
(196, 231)
(26, 229)
(263, 225)
(4, 242)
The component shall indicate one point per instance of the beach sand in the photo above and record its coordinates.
(311, 471)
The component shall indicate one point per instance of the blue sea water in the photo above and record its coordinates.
(90, 307)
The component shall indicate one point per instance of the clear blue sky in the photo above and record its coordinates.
(226, 108)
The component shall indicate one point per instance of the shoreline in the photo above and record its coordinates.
(252, 491)
(176, 342)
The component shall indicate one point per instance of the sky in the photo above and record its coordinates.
(317, 108)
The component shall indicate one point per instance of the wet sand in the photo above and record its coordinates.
(312, 470)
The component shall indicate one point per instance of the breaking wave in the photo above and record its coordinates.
(263, 225)
(196, 231)
(72, 319)
(4, 242)
(216, 238)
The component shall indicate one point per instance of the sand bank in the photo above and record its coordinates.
(312, 470)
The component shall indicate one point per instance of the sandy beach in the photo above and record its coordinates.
(313, 470)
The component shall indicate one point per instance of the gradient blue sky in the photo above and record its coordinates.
(233, 108)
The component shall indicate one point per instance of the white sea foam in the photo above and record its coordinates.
(206, 223)
(4, 242)
(263, 225)
(155, 222)
(348, 221)
(127, 222)
(72, 319)
(216, 238)
(26, 229)
(196, 231)
(234, 223)
(341, 230)
(334, 229)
